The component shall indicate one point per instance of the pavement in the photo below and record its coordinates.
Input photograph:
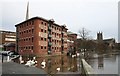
(0, 64)
(15, 69)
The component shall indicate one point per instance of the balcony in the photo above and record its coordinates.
(62, 38)
(49, 51)
(50, 44)
(49, 36)
(49, 28)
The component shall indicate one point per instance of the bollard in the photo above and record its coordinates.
(8, 58)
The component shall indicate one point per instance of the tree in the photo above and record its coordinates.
(85, 42)
(84, 34)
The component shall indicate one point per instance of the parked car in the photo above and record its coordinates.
(8, 53)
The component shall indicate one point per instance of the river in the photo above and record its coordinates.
(105, 64)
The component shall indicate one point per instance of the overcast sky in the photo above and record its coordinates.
(94, 15)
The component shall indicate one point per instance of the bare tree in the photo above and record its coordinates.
(85, 42)
(84, 34)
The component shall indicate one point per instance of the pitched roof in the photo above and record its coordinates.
(109, 39)
(39, 18)
(69, 32)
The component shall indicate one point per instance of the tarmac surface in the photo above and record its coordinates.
(15, 69)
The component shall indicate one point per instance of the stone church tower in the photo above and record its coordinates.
(99, 36)
(100, 42)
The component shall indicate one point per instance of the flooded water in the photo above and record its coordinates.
(57, 64)
(107, 64)
(104, 64)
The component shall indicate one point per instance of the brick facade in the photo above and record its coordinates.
(40, 36)
(72, 43)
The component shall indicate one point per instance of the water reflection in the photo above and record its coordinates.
(100, 62)
(54, 65)
(104, 64)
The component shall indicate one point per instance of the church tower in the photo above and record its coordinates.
(99, 36)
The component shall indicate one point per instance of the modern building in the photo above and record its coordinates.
(40, 36)
(7, 37)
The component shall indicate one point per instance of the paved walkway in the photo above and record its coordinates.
(15, 68)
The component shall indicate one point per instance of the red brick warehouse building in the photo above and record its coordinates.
(40, 36)
(71, 42)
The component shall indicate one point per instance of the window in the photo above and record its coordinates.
(41, 22)
(45, 23)
(52, 26)
(55, 34)
(55, 41)
(29, 30)
(45, 39)
(45, 31)
(55, 28)
(26, 39)
(32, 39)
(32, 22)
(41, 38)
(26, 48)
(27, 24)
(41, 47)
(32, 47)
(29, 39)
(45, 47)
(32, 31)
(59, 30)
(41, 30)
